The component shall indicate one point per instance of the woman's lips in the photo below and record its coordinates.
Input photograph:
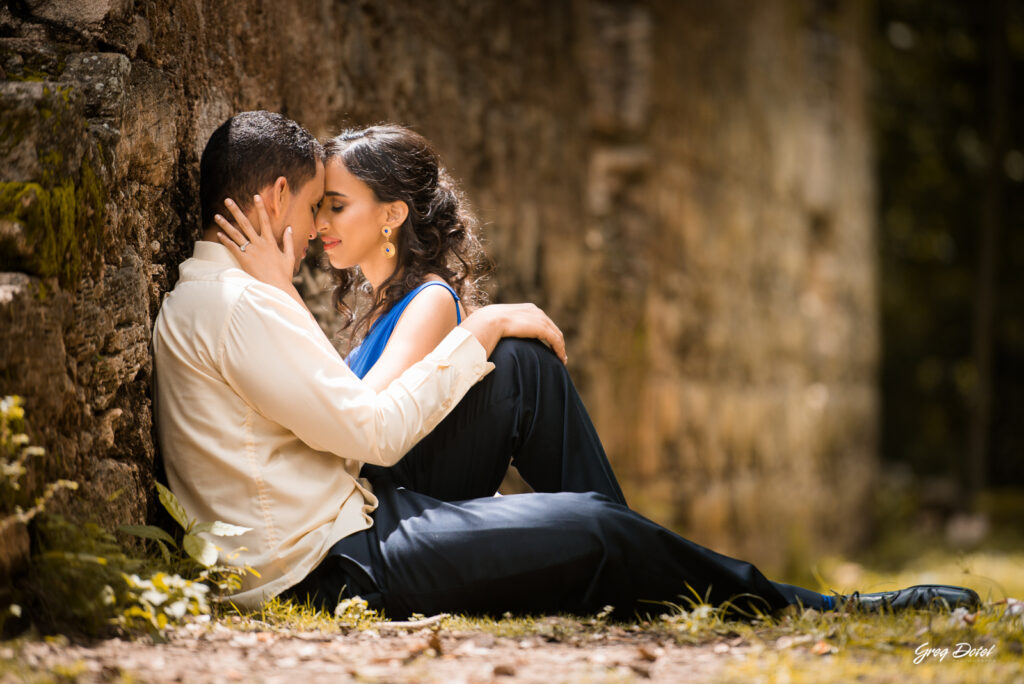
(330, 243)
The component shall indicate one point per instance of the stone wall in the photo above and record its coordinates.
(684, 186)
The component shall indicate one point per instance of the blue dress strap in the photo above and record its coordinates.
(363, 357)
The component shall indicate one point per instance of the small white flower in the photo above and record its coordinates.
(176, 610)
(355, 605)
(107, 595)
(175, 582)
(195, 590)
(13, 471)
(15, 610)
(701, 612)
(153, 597)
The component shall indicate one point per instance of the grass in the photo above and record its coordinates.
(819, 647)
(794, 646)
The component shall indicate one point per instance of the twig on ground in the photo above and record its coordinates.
(415, 624)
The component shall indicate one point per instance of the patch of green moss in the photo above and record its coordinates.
(90, 196)
(12, 130)
(27, 73)
(63, 222)
(62, 210)
(51, 161)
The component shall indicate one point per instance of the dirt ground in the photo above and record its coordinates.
(216, 653)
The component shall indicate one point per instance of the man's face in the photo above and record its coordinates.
(299, 211)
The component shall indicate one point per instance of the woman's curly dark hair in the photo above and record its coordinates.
(439, 236)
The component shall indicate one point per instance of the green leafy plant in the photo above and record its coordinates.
(79, 578)
(19, 504)
(75, 580)
(195, 553)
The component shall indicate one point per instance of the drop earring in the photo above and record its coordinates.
(388, 247)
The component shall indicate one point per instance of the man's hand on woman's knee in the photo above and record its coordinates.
(491, 323)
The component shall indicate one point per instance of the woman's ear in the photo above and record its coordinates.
(396, 213)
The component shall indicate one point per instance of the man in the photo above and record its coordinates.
(257, 416)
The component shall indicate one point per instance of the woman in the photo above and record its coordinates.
(391, 209)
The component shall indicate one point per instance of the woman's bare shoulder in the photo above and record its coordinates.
(433, 299)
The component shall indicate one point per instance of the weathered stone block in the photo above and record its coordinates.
(14, 244)
(49, 182)
(40, 131)
(33, 317)
(77, 13)
(102, 79)
(148, 144)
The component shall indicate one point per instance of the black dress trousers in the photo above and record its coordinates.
(441, 542)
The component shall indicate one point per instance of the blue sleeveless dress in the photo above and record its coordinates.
(362, 358)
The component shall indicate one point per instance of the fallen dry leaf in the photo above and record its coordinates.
(647, 654)
(823, 648)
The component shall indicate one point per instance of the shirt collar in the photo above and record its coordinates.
(215, 252)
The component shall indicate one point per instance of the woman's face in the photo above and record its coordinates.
(350, 220)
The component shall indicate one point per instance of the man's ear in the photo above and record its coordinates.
(275, 198)
(396, 213)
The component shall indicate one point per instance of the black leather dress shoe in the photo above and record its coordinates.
(919, 597)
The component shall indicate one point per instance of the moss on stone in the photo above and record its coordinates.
(12, 130)
(27, 75)
(62, 210)
(63, 222)
(91, 198)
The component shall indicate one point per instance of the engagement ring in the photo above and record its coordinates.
(242, 247)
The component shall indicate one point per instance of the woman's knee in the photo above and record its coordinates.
(530, 356)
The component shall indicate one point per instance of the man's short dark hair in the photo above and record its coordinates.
(250, 151)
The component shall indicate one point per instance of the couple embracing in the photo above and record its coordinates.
(374, 475)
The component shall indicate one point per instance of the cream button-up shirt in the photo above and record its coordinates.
(261, 423)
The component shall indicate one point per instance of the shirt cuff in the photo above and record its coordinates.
(461, 349)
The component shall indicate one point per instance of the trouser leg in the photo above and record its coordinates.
(543, 553)
(526, 411)
(804, 597)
